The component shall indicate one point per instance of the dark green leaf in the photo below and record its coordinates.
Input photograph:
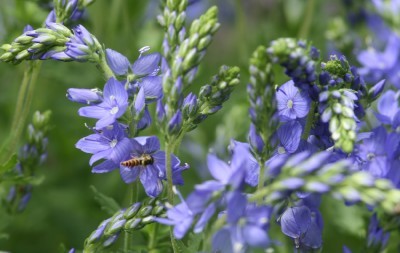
(10, 164)
(108, 204)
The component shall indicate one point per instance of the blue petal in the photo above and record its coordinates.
(121, 150)
(139, 101)
(118, 63)
(313, 236)
(204, 218)
(92, 144)
(255, 236)
(105, 121)
(218, 168)
(153, 89)
(115, 90)
(295, 221)
(387, 104)
(105, 167)
(289, 135)
(221, 241)
(100, 155)
(146, 64)
(95, 111)
(236, 207)
(129, 175)
(151, 182)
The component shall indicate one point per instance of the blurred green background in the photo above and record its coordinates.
(62, 210)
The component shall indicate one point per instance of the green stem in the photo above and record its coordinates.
(153, 238)
(309, 122)
(309, 13)
(21, 95)
(134, 196)
(261, 176)
(104, 68)
(240, 26)
(168, 151)
(23, 106)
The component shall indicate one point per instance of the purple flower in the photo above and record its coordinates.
(388, 109)
(110, 143)
(382, 64)
(247, 225)
(291, 102)
(146, 161)
(114, 105)
(378, 152)
(145, 65)
(377, 237)
(303, 225)
(180, 216)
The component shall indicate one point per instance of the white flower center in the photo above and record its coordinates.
(114, 110)
(281, 150)
(370, 156)
(113, 143)
(289, 104)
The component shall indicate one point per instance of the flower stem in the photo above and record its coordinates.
(309, 122)
(104, 68)
(23, 106)
(134, 196)
(261, 176)
(168, 151)
(153, 238)
(308, 14)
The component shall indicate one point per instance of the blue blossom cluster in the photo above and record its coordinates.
(121, 112)
(246, 223)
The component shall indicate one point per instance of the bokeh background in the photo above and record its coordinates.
(62, 209)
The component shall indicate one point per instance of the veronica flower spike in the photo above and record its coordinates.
(114, 105)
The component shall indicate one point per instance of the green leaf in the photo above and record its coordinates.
(10, 164)
(18, 179)
(108, 204)
(345, 215)
(194, 242)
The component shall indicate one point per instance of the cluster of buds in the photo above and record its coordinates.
(57, 42)
(299, 61)
(30, 157)
(133, 218)
(262, 102)
(339, 100)
(303, 172)
(173, 20)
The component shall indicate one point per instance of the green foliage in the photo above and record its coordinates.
(108, 204)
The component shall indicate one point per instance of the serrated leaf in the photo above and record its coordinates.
(182, 247)
(108, 204)
(194, 242)
(9, 165)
